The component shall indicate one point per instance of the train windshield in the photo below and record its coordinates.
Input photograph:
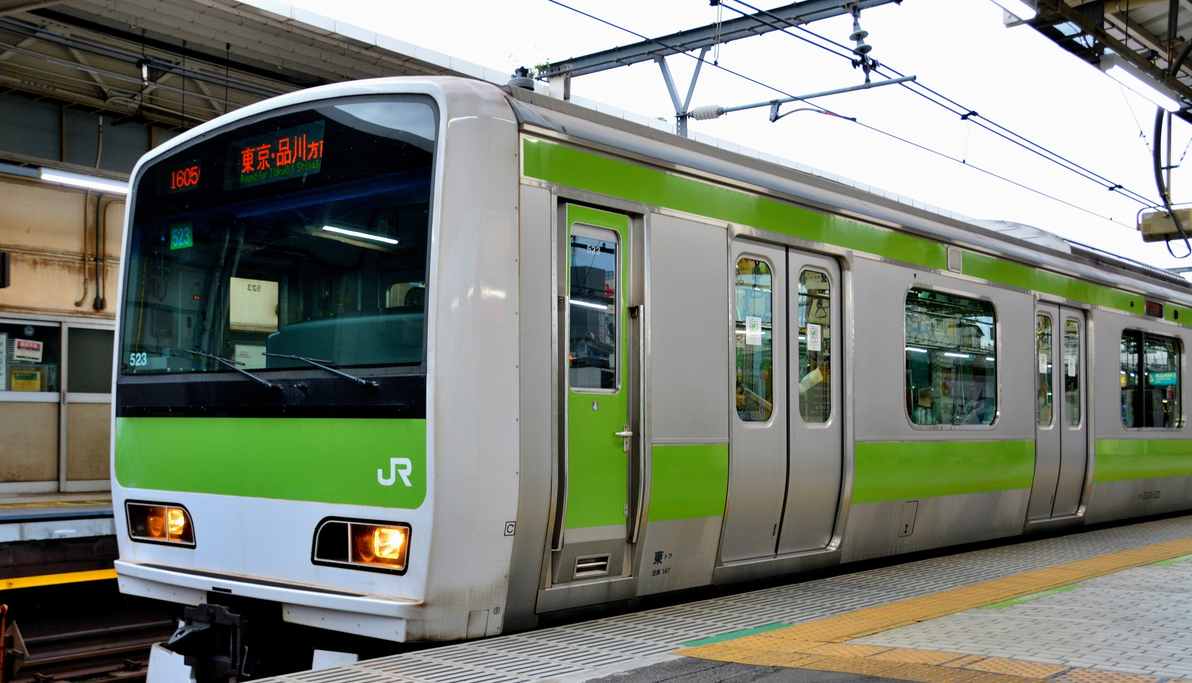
(300, 236)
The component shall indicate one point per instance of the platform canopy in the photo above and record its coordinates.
(179, 62)
(1148, 34)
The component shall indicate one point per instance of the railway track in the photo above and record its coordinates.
(117, 652)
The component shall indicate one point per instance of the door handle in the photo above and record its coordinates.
(624, 434)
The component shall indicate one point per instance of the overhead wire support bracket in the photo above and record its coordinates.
(714, 111)
(681, 108)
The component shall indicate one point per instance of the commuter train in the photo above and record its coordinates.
(419, 359)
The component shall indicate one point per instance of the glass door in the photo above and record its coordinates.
(29, 405)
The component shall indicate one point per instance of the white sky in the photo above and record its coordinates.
(958, 47)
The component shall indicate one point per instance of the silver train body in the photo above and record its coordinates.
(670, 443)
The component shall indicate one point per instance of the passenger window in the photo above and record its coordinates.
(754, 340)
(592, 348)
(815, 346)
(951, 359)
(1044, 400)
(1072, 397)
(1150, 380)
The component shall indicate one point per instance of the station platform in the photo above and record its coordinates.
(1107, 604)
(48, 540)
(35, 518)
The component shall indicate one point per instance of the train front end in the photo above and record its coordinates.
(303, 327)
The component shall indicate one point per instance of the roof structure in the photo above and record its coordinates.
(182, 62)
(1148, 33)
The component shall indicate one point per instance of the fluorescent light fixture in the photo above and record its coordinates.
(1023, 9)
(360, 235)
(588, 304)
(915, 349)
(87, 182)
(989, 358)
(1133, 78)
(953, 354)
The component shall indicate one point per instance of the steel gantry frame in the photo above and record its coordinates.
(691, 40)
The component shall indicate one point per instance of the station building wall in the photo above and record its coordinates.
(56, 337)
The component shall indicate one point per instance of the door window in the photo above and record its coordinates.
(592, 346)
(89, 356)
(1044, 399)
(755, 339)
(29, 357)
(1072, 397)
(815, 346)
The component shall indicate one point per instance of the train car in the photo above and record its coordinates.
(421, 359)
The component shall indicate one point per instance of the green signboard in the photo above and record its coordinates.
(181, 237)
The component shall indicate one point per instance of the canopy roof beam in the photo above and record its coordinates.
(694, 39)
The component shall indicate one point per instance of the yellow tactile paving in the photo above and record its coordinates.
(1017, 667)
(911, 656)
(820, 644)
(54, 502)
(55, 579)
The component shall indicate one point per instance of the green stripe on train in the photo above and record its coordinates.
(1121, 459)
(688, 481)
(578, 168)
(618, 178)
(1028, 277)
(908, 470)
(315, 459)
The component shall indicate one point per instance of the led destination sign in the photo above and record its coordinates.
(290, 153)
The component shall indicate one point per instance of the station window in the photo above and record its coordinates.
(1150, 380)
(815, 346)
(1045, 404)
(951, 359)
(592, 355)
(89, 353)
(29, 357)
(755, 339)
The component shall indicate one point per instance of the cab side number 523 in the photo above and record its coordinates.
(138, 359)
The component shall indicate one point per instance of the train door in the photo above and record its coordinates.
(813, 478)
(597, 407)
(1073, 422)
(1061, 437)
(758, 428)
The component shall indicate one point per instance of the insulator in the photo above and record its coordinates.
(706, 113)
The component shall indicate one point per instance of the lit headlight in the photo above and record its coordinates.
(160, 523)
(380, 546)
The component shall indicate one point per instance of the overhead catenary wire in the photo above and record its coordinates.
(874, 129)
(934, 96)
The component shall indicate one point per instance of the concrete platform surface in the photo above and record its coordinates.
(1110, 604)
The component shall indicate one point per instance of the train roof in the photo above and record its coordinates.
(751, 169)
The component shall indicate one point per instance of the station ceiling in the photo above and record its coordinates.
(1148, 33)
(181, 62)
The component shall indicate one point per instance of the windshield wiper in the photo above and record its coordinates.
(235, 366)
(323, 365)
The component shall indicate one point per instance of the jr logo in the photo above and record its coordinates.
(399, 468)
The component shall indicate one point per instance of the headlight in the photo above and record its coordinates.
(160, 523)
(382, 546)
